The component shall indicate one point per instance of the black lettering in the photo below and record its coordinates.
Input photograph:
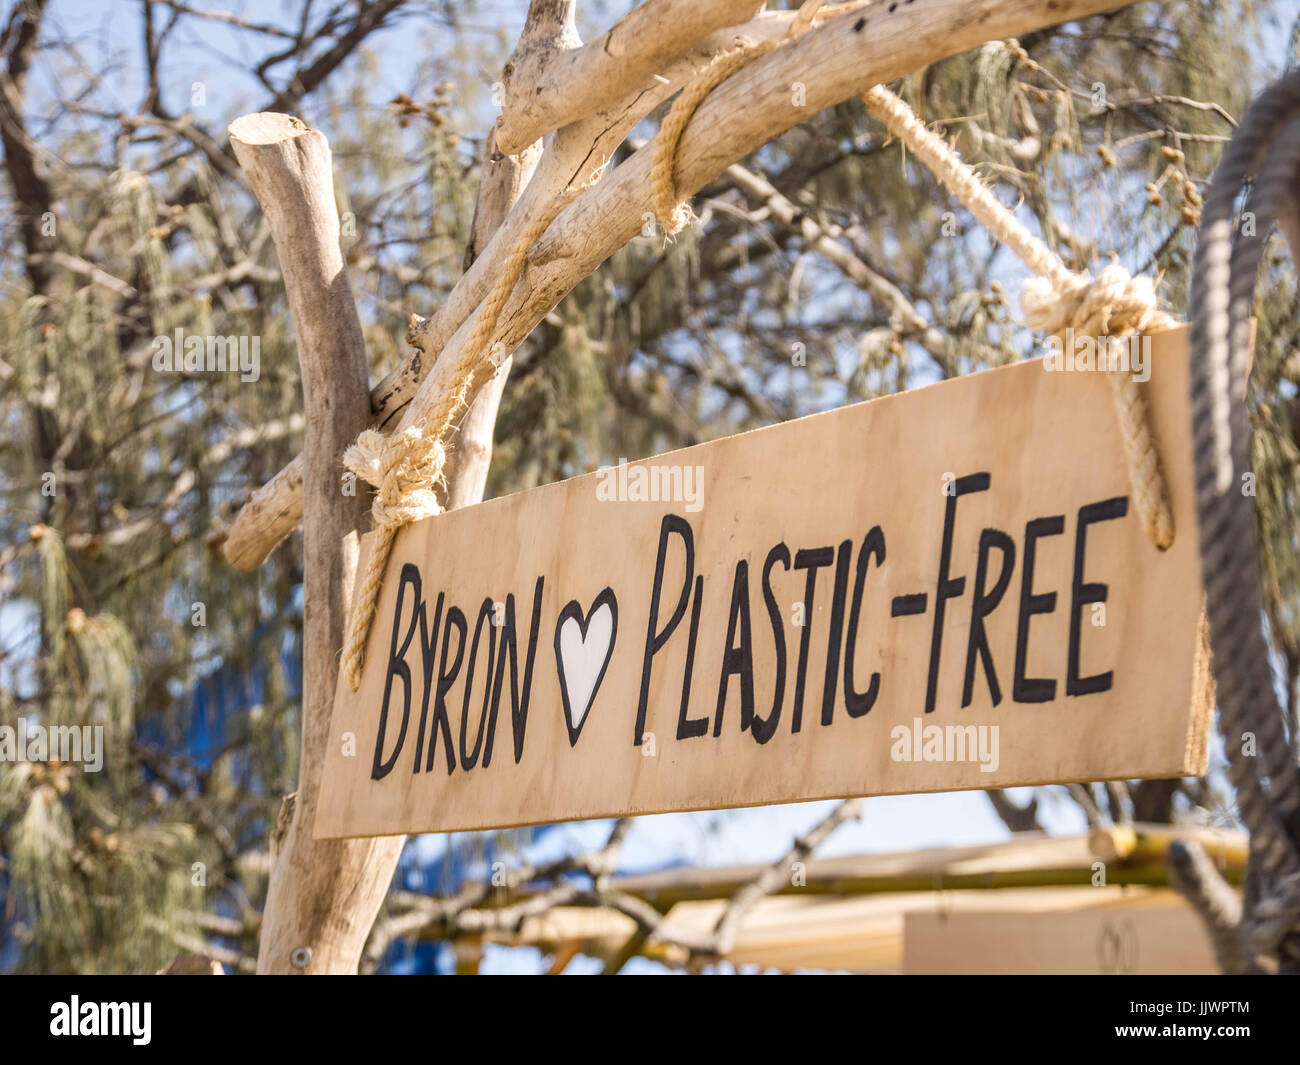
(982, 605)
(738, 658)
(1082, 594)
(855, 702)
(468, 758)
(812, 560)
(518, 704)
(429, 657)
(836, 633)
(654, 641)
(446, 678)
(397, 667)
(1033, 689)
(689, 728)
(948, 588)
(762, 728)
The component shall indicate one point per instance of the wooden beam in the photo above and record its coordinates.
(1106, 930)
(1156, 934)
(1026, 860)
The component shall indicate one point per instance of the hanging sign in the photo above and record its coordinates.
(944, 589)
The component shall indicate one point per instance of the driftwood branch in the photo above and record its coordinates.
(555, 83)
(471, 908)
(275, 510)
(478, 909)
(330, 891)
(778, 874)
(845, 53)
(835, 61)
(323, 896)
(903, 315)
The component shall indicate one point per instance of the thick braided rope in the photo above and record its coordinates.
(1264, 152)
(406, 467)
(1112, 304)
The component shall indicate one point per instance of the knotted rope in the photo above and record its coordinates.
(1267, 148)
(406, 467)
(1112, 304)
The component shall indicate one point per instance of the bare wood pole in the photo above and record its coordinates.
(323, 896)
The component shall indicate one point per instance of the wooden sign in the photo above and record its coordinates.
(940, 590)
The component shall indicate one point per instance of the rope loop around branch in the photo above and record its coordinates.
(672, 213)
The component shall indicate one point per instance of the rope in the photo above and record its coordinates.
(1113, 304)
(407, 467)
(1265, 148)
(672, 213)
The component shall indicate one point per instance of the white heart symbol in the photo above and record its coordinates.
(582, 652)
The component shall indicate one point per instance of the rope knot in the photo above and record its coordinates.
(405, 470)
(1114, 303)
